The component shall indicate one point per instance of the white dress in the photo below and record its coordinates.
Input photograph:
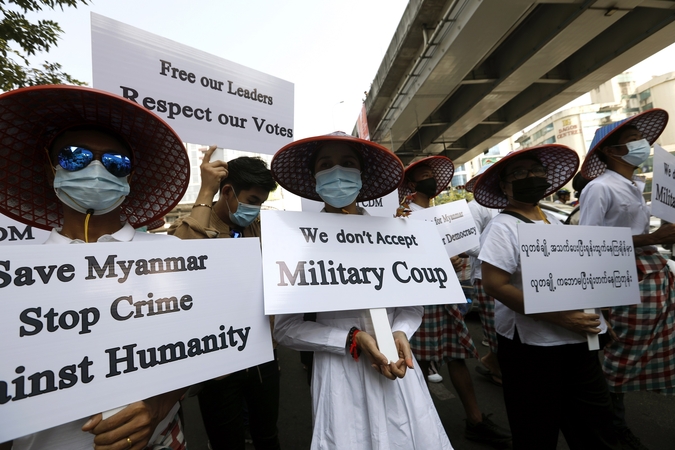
(353, 406)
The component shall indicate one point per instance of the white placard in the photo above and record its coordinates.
(380, 207)
(454, 224)
(17, 233)
(335, 262)
(87, 323)
(206, 99)
(572, 268)
(663, 185)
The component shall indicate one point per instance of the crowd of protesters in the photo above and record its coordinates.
(95, 166)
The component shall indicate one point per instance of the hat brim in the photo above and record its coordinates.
(651, 124)
(31, 117)
(443, 169)
(381, 174)
(561, 162)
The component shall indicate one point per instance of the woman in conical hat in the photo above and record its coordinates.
(640, 358)
(358, 403)
(551, 381)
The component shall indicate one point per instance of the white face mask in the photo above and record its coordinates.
(638, 152)
(90, 188)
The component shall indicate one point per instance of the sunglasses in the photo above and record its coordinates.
(73, 158)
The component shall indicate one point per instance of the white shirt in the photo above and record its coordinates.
(499, 247)
(481, 216)
(611, 200)
(70, 436)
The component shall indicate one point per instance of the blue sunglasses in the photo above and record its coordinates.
(73, 158)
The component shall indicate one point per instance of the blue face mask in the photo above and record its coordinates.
(245, 214)
(90, 188)
(638, 152)
(338, 186)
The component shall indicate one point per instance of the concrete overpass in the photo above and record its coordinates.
(462, 75)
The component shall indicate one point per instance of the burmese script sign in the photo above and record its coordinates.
(334, 262)
(663, 185)
(100, 326)
(203, 97)
(454, 224)
(566, 268)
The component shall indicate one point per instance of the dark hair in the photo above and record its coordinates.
(579, 182)
(246, 172)
(312, 159)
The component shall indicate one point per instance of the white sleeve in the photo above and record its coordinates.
(594, 204)
(408, 319)
(290, 330)
(500, 247)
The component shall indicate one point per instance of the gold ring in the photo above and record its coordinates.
(129, 443)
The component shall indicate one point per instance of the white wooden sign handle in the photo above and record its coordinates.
(593, 339)
(383, 334)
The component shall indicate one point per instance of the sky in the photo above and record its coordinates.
(330, 50)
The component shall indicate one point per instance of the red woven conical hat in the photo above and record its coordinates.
(31, 117)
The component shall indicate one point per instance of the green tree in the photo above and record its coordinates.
(450, 195)
(21, 38)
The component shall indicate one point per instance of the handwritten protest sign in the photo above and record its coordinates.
(16, 233)
(454, 224)
(663, 185)
(203, 97)
(99, 326)
(568, 268)
(333, 262)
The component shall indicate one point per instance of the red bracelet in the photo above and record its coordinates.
(353, 350)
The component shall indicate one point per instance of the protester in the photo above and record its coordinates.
(66, 162)
(641, 355)
(551, 381)
(244, 184)
(368, 403)
(486, 304)
(443, 335)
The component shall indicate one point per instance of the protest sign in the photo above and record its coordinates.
(380, 207)
(203, 97)
(454, 224)
(571, 268)
(17, 233)
(663, 185)
(333, 262)
(100, 326)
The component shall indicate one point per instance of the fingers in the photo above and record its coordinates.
(92, 422)
(131, 425)
(403, 347)
(207, 154)
(398, 368)
(367, 344)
